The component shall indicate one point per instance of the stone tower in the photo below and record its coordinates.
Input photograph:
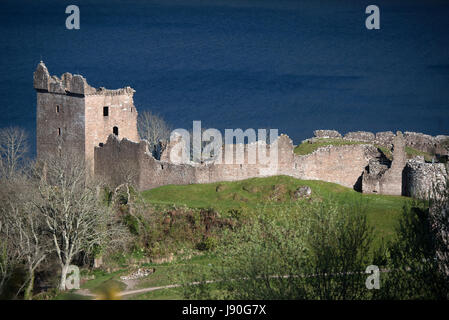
(381, 179)
(73, 117)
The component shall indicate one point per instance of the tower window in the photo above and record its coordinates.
(57, 109)
(115, 130)
(105, 111)
(59, 131)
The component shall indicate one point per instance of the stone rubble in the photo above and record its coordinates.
(140, 273)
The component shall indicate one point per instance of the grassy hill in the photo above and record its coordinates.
(252, 196)
(275, 192)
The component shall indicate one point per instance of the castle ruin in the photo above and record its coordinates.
(75, 117)
(101, 124)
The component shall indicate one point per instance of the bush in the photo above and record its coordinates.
(415, 270)
(307, 252)
(160, 232)
(208, 244)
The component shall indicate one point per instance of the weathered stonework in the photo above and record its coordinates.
(385, 138)
(423, 142)
(71, 115)
(421, 178)
(326, 134)
(343, 165)
(360, 136)
(339, 164)
(379, 178)
(101, 124)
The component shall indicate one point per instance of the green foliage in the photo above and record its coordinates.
(411, 153)
(208, 244)
(132, 223)
(415, 270)
(275, 193)
(309, 147)
(307, 252)
(158, 233)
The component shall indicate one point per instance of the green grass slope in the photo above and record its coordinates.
(248, 195)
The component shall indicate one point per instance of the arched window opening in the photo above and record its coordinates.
(101, 144)
(115, 131)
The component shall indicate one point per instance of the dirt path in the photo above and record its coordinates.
(87, 293)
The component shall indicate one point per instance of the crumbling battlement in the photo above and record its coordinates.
(133, 161)
(75, 117)
(420, 141)
(339, 164)
(360, 136)
(101, 124)
(381, 179)
(326, 134)
(422, 178)
(71, 84)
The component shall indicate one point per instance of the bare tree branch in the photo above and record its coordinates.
(154, 129)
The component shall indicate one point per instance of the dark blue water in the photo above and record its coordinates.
(292, 65)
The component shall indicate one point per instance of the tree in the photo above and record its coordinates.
(9, 256)
(13, 149)
(22, 242)
(153, 128)
(68, 202)
(308, 251)
(419, 255)
(23, 230)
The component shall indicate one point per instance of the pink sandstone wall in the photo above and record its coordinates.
(343, 165)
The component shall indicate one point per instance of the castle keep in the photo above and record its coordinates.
(101, 124)
(73, 116)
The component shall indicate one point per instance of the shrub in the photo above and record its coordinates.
(313, 251)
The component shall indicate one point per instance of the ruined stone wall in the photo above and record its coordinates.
(70, 115)
(123, 160)
(382, 179)
(419, 141)
(339, 164)
(360, 136)
(59, 116)
(426, 143)
(391, 182)
(121, 113)
(326, 134)
(117, 161)
(422, 177)
(71, 118)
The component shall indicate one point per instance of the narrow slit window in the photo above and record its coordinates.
(105, 111)
(115, 130)
(59, 131)
(57, 109)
